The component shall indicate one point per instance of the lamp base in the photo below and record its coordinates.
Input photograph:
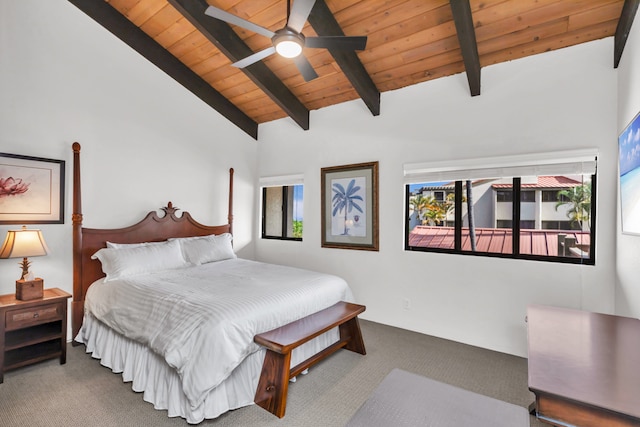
(29, 289)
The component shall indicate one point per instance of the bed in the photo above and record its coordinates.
(177, 311)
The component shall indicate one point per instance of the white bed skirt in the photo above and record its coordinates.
(161, 385)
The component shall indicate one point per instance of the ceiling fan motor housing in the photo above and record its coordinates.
(288, 43)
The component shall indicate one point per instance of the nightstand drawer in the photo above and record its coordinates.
(16, 319)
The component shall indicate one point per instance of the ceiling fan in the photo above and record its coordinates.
(289, 41)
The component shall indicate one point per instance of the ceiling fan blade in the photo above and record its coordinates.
(299, 13)
(337, 42)
(254, 58)
(307, 71)
(227, 17)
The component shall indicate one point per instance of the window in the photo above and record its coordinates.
(524, 224)
(507, 223)
(504, 195)
(282, 212)
(527, 196)
(560, 225)
(504, 223)
(553, 196)
(553, 219)
(507, 196)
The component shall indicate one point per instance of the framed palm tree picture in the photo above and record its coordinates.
(350, 206)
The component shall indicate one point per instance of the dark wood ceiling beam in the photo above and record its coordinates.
(325, 24)
(629, 10)
(105, 15)
(467, 38)
(228, 42)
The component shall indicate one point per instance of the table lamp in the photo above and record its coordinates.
(25, 243)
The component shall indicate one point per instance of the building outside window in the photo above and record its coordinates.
(553, 220)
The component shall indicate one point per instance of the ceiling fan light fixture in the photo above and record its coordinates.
(288, 43)
(288, 49)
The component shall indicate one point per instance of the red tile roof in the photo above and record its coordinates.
(496, 240)
(546, 182)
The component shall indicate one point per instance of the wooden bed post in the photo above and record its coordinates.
(77, 304)
(230, 216)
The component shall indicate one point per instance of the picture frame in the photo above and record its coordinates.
(629, 176)
(31, 190)
(350, 206)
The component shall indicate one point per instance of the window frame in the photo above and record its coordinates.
(516, 208)
(284, 210)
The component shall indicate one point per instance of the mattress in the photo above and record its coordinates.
(185, 337)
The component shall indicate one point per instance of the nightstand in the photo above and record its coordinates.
(32, 331)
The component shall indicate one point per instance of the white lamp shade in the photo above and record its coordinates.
(23, 243)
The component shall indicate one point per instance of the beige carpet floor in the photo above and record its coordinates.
(84, 393)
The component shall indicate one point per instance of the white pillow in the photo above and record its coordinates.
(131, 261)
(201, 250)
(132, 245)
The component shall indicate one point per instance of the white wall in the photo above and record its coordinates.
(145, 139)
(560, 100)
(628, 246)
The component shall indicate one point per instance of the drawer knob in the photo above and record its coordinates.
(35, 315)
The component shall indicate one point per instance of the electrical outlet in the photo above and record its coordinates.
(406, 304)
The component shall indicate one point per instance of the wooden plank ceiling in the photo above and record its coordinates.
(409, 42)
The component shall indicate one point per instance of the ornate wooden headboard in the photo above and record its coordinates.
(86, 241)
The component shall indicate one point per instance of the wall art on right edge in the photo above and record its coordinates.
(629, 169)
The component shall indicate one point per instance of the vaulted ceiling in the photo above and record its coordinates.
(408, 42)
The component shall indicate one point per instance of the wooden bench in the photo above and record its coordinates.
(271, 393)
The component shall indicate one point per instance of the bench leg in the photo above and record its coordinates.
(350, 331)
(271, 393)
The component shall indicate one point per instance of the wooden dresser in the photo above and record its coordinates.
(584, 367)
(32, 331)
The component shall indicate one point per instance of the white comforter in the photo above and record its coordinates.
(202, 319)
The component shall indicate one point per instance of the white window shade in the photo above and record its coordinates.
(282, 180)
(575, 162)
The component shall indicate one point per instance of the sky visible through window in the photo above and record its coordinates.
(297, 202)
(414, 187)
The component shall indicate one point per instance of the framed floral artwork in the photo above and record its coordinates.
(350, 206)
(31, 190)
